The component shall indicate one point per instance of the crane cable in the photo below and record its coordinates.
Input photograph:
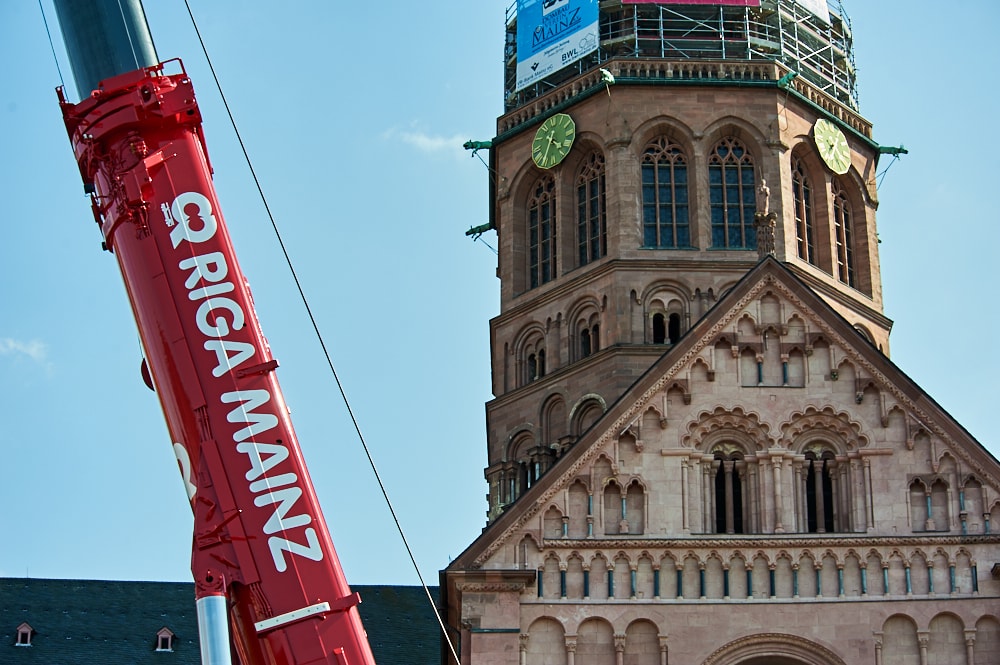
(52, 46)
(319, 337)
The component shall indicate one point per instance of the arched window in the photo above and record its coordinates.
(614, 505)
(659, 328)
(542, 233)
(819, 493)
(531, 355)
(674, 327)
(843, 230)
(592, 225)
(665, 196)
(728, 494)
(804, 232)
(590, 340)
(732, 195)
(666, 320)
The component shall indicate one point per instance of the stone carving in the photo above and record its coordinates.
(764, 224)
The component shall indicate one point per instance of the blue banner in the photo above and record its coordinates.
(552, 34)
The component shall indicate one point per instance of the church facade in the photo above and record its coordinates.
(699, 451)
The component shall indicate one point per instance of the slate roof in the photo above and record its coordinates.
(84, 622)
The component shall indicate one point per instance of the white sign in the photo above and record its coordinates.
(817, 7)
(552, 34)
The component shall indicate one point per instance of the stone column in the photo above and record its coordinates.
(819, 472)
(619, 649)
(843, 517)
(868, 498)
(570, 649)
(522, 648)
(858, 496)
(765, 486)
(798, 485)
(663, 651)
(952, 515)
(707, 489)
(878, 648)
(779, 507)
(684, 495)
(970, 646)
(727, 468)
(741, 472)
(923, 637)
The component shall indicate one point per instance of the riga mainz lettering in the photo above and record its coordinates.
(191, 219)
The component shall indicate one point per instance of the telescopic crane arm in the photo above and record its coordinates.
(268, 584)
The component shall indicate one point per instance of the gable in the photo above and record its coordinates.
(772, 377)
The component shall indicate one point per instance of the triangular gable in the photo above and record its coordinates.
(872, 370)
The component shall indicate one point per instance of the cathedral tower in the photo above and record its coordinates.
(697, 444)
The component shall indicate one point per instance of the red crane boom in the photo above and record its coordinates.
(263, 561)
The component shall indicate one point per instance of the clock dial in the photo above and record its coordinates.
(832, 146)
(553, 140)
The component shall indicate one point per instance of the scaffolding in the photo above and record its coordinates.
(780, 31)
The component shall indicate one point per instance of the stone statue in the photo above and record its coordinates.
(762, 200)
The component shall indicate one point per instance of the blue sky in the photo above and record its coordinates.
(354, 120)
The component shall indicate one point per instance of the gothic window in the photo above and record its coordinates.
(804, 231)
(592, 226)
(732, 195)
(971, 506)
(728, 494)
(613, 507)
(553, 523)
(542, 233)
(580, 516)
(819, 493)
(939, 506)
(843, 230)
(635, 508)
(918, 506)
(665, 196)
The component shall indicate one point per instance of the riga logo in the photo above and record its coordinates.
(191, 218)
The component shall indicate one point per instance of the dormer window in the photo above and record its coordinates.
(24, 633)
(165, 639)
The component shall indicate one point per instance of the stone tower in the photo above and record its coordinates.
(699, 450)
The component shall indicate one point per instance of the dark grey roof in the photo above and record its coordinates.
(83, 622)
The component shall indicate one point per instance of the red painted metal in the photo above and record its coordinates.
(259, 535)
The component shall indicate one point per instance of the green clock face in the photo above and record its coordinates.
(553, 140)
(832, 146)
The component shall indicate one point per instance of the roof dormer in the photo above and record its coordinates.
(164, 639)
(24, 633)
